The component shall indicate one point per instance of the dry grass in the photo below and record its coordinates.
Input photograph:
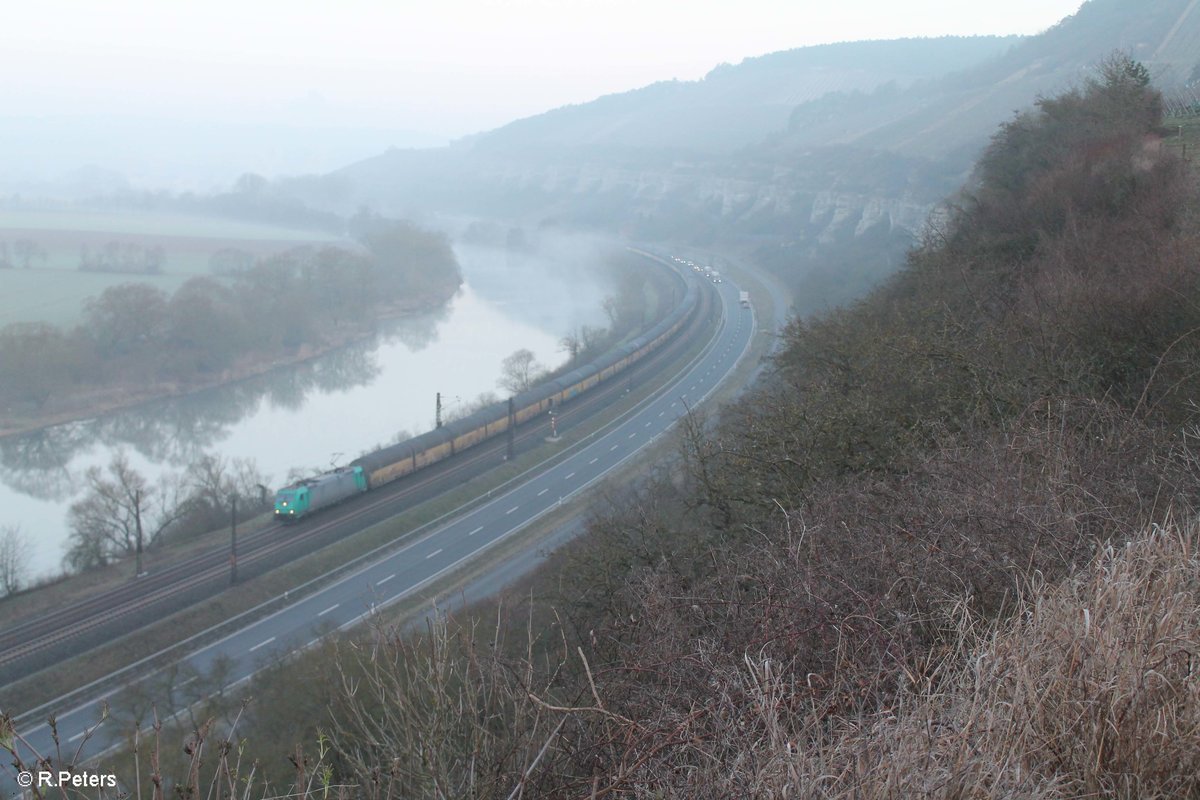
(1089, 690)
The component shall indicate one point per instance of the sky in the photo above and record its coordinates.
(434, 70)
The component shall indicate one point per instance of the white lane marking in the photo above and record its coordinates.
(477, 530)
(633, 434)
(434, 553)
(661, 413)
(672, 405)
(648, 424)
(385, 580)
(76, 736)
(326, 611)
(542, 492)
(511, 510)
(572, 475)
(614, 447)
(593, 461)
(262, 644)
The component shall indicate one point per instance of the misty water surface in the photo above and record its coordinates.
(319, 413)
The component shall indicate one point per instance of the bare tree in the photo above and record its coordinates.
(449, 716)
(519, 372)
(212, 480)
(582, 342)
(14, 558)
(26, 250)
(592, 339)
(612, 310)
(121, 513)
(571, 345)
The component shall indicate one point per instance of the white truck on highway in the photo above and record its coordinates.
(744, 299)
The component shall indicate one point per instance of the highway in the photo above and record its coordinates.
(354, 597)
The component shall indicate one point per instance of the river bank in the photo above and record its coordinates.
(98, 401)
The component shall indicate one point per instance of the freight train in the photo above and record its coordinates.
(382, 466)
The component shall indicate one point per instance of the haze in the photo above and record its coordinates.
(191, 97)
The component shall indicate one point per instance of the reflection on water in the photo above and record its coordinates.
(178, 431)
(325, 410)
(36, 464)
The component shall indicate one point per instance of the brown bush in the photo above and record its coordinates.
(837, 603)
(1089, 690)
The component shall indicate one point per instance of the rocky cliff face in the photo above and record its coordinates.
(768, 200)
(835, 213)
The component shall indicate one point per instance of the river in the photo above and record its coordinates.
(323, 412)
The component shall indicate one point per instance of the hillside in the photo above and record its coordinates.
(692, 147)
(916, 97)
(736, 106)
(954, 116)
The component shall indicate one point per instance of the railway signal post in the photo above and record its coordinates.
(512, 428)
(233, 541)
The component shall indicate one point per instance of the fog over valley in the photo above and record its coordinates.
(599, 398)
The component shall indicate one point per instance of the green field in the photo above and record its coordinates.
(149, 223)
(55, 296)
(1183, 135)
(54, 290)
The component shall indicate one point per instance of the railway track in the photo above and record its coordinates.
(209, 570)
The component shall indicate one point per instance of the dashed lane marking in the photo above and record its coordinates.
(385, 580)
(542, 492)
(262, 644)
(477, 530)
(326, 611)
(434, 553)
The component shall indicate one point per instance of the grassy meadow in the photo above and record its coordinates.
(53, 289)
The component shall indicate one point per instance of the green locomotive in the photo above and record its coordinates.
(293, 502)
